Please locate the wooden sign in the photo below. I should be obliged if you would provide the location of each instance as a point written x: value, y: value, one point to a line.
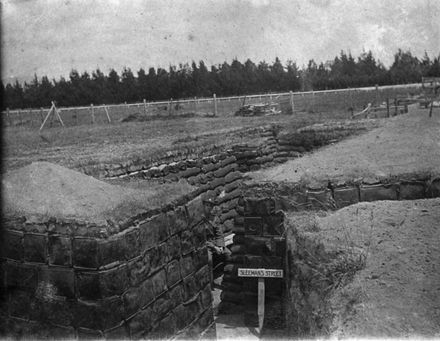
x: 265, y: 273
x: 261, y: 274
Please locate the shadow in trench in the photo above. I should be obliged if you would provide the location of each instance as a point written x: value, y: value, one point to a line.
x: 230, y: 326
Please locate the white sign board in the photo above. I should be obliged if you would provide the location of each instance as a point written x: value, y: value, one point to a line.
x: 265, y: 273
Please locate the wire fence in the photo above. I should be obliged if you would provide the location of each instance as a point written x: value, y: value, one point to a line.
x: 310, y: 101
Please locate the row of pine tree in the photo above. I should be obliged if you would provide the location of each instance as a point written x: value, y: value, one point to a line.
x: 196, y: 80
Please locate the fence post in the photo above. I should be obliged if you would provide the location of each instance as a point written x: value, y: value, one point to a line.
x: 215, y: 105
x: 108, y: 116
x: 292, y: 105
x: 7, y: 116
x: 145, y: 107
x: 313, y: 101
x: 92, y: 109
x: 170, y: 102
x: 377, y: 95
x: 195, y: 104
x: 395, y: 106
x: 388, y: 107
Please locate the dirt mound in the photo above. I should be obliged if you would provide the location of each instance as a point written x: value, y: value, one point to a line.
x: 397, y: 294
x: 46, y: 189
x: 405, y: 144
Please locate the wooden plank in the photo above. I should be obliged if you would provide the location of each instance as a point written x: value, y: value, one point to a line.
x: 261, y: 298
x: 108, y: 115
x: 57, y: 112
x: 47, y: 116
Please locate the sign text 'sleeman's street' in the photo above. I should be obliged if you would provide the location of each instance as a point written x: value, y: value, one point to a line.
x: 273, y: 273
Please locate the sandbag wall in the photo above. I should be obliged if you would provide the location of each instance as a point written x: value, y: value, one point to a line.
x: 259, y: 242
x: 156, y: 167
x: 66, y: 279
x: 305, y: 308
x: 218, y: 176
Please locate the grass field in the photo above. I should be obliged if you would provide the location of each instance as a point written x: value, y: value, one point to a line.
x: 74, y: 147
x: 320, y: 101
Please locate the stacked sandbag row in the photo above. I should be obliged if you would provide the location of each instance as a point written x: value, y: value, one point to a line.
x: 134, y: 166
x: 231, y: 296
x: 265, y: 154
x: 145, y: 277
x: 259, y: 243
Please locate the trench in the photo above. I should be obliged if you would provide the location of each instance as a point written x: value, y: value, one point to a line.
x: 220, y: 179
x: 255, y: 225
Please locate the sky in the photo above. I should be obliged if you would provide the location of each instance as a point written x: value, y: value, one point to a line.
x: 52, y: 37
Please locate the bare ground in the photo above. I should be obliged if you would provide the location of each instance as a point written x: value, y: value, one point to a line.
x: 397, y: 294
x: 45, y: 189
x: 405, y: 144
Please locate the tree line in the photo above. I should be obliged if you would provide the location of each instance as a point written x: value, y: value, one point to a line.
x: 196, y: 80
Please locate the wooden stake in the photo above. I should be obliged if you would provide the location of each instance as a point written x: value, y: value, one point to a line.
x: 388, y: 107
x: 215, y: 105
x: 430, y: 109
x: 292, y: 105
x: 47, y: 116
x: 261, y: 297
x: 195, y: 104
x: 57, y: 112
x: 145, y: 107
x: 377, y: 95
x: 7, y: 116
x: 108, y: 116
x: 93, y: 113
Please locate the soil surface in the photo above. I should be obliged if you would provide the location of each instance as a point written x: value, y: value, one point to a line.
x: 405, y: 144
x: 79, y: 146
x: 397, y: 294
x: 46, y: 189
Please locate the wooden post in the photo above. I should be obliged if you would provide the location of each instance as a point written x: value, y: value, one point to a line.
x: 57, y: 112
x: 261, y: 274
x: 377, y: 95
x: 92, y: 109
x: 261, y: 297
x: 292, y: 105
x: 145, y: 107
x: 170, y: 103
x: 351, y: 100
x: 108, y: 116
x: 388, y: 107
x: 195, y: 104
x: 47, y: 116
x: 395, y: 106
x: 215, y: 104
x: 430, y: 109
x: 41, y: 114
x: 313, y: 101
x: 7, y: 116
